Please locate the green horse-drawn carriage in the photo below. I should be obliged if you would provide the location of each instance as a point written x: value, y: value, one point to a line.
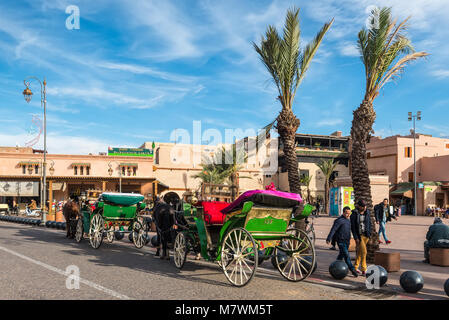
x: 111, y: 213
x: 241, y: 235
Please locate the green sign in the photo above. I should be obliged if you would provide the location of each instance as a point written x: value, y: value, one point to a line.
x: 130, y: 152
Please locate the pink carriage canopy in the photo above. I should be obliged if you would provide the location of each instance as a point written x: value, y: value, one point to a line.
x: 265, y: 197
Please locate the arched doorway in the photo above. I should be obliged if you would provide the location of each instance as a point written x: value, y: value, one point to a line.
x: 171, y: 198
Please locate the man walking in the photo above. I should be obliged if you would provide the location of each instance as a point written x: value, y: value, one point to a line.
x: 437, y: 237
x: 341, y: 229
x: 382, y: 214
x: 361, y: 231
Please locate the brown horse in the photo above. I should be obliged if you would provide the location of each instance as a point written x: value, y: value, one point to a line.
x: 70, y: 210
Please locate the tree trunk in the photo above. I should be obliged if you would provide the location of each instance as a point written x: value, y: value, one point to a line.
x: 362, y: 126
x: 287, y: 125
x: 326, y: 197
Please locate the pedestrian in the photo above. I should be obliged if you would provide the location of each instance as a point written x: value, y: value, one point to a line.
x: 446, y: 214
x: 437, y: 237
x: 428, y: 211
x: 382, y: 214
x: 341, y: 229
x: 361, y: 231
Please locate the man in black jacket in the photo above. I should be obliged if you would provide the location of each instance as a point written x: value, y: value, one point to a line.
x: 341, y: 230
x: 361, y: 231
x: 382, y: 213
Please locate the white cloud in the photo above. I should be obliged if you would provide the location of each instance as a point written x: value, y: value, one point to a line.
x: 329, y: 122
x: 349, y: 49
x: 441, y: 74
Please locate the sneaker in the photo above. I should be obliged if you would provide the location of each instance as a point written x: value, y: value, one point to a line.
x: 354, y: 273
x: 332, y: 248
x: 363, y: 273
x: 360, y: 272
x: 388, y: 242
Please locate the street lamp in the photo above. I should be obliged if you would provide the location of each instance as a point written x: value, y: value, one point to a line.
x: 414, y: 117
x: 110, y: 171
x: 28, y: 94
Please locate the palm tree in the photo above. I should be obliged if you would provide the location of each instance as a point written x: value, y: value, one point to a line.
x: 385, y: 51
x: 287, y: 65
x: 305, y: 180
x: 327, y: 167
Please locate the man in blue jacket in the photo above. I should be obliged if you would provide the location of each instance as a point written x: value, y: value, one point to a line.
x: 361, y: 231
x: 341, y: 229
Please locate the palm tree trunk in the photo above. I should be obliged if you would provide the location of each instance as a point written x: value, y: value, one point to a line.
x: 326, y: 197
x: 287, y: 125
x: 362, y: 126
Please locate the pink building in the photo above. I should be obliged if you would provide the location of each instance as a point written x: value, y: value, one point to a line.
x: 393, y: 157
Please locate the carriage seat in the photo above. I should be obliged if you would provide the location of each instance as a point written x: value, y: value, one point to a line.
x: 212, y: 212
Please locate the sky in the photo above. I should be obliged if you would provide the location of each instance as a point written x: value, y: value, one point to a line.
x: 135, y: 71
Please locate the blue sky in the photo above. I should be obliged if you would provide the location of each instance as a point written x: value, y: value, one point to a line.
x: 136, y: 70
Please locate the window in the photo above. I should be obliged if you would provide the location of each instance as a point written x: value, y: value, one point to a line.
x: 75, y: 170
x: 123, y: 171
x: 36, y: 169
x: 368, y: 155
x: 408, y: 152
x: 410, y: 177
x: 24, y: 169
x: 303, y: 173
x: 134, y: 171
x: 87, y: 171
x: 81, y: 170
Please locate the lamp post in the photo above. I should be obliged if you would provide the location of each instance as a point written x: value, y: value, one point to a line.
x: 28, y: 94
x: 414, y: 117
x: 110, y: 171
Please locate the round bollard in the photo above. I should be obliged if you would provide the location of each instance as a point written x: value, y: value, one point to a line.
x: 154, y: 241
x: 446, y: 287
x: 63, y: 226
x: 47, y: 224
x: 381, y: 273
x: 338, y: 269
x: 118, y: 235
x: 307, y: 266
x: 411, y: 281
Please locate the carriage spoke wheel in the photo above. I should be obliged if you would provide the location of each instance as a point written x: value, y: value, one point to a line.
x: 238, y: 267
x: 180, y: 250
x: 79, y: 230
x: 96, y: 231
x: 295, y: 262
x: 139, y: 235
x: 110, y: 234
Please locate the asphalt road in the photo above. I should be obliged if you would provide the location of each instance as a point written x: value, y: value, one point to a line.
x: 33, y: 263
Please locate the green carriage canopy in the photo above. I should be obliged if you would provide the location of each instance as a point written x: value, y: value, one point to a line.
x: 123, y: 199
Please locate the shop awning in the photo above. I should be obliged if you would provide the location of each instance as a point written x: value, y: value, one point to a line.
x: 404, y: 190
x: 80, y: 164
x: 29, y: 163
x: 124, y: 164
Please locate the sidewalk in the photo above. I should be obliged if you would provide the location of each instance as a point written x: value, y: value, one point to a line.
x: 407, y: 235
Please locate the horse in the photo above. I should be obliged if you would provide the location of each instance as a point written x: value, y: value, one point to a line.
x: 70, y: 210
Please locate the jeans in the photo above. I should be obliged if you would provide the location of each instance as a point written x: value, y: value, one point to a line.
x: 344, y: 254
x: 382, y: 230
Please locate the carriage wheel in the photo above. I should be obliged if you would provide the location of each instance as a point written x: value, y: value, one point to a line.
x: 110, y: 235
x: 96, y: 231
x: 180, y: 250
x: 139, y: 235
x: 238, y: 267
x: 295, y: 266
x: 79, y: 230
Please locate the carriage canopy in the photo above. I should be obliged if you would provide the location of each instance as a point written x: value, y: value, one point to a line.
x: 269, y: 198
x: 123, y: 199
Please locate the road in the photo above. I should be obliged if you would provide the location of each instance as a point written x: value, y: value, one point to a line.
x: 33, y: 261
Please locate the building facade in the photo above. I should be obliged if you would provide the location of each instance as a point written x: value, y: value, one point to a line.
x: 394, y: 157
